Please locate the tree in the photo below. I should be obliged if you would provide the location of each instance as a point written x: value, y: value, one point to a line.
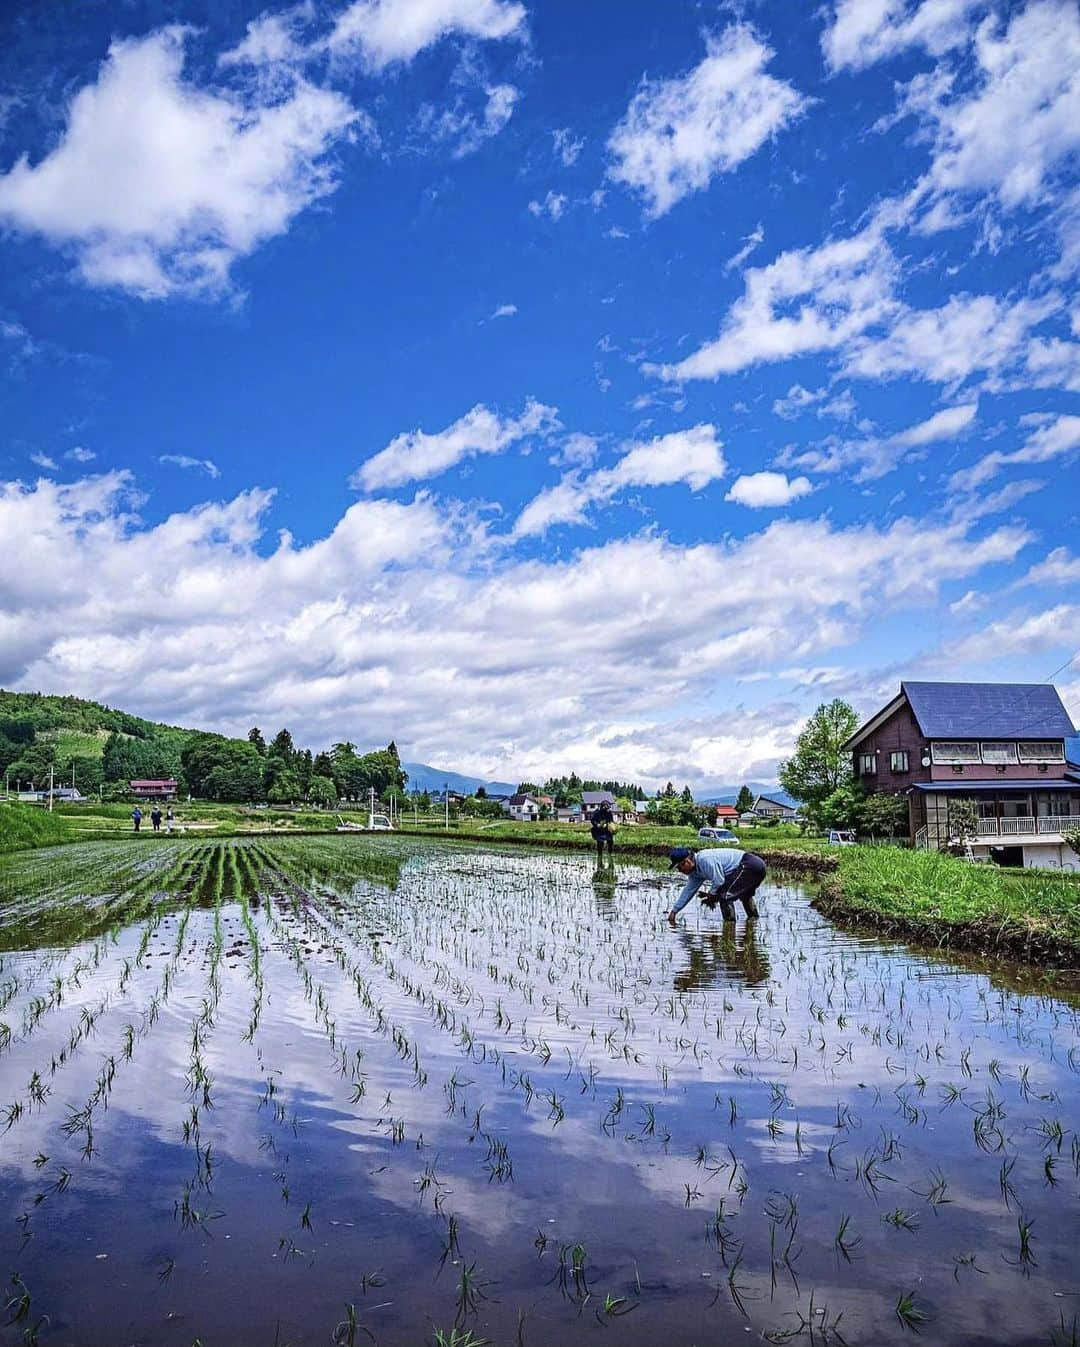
x: 424, y: 802
x: 322, y: 791
x: 840, y: 808
x: 884, y: 815
x: 744, y: 801
x: 285, y: 788
x: 963, y: 819
x: 819, y: 764
x: 481, y: 792
x: 256, y: 739
x: 1072, y: 839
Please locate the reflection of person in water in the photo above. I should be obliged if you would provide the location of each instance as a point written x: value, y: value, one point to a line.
x: 732, y: 955
x: 603, y: 882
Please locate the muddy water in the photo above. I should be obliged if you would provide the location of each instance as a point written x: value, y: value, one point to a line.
x: 493, y: 1095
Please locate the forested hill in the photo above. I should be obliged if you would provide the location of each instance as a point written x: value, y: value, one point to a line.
x: 101, y: 748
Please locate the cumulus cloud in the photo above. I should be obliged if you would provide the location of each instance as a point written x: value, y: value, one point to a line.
x: 873, y: 456
x: 388, y: 32
x: 678, y: 134
x: 1059, y: 567
x: 80, y: 455
x: 352, y: 628
x: 807, y: 300
x: 205, y: 465
x: 767, y: 490
x: 166, y: 201
x: 1020, y: 633
x: 1019, y: 125
x: 1058, y: 437
x: 862, y: 32
x: 415, y: 456
x: 968, y: 334
x: 692, y: 456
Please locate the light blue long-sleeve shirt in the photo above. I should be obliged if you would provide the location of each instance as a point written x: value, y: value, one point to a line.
x: 714, y: 866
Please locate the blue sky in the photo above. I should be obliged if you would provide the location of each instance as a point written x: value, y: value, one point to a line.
x: 543, y: 386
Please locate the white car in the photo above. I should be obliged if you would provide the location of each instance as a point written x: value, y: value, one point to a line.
x: 841, y: 837
x: 718, y: 834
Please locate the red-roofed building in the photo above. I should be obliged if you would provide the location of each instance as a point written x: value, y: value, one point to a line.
x: 154, y: 790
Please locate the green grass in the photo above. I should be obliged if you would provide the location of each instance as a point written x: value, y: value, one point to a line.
x: 932, y: 889
x: 76, y: 743
x: 627, y: 837
x: 25, y: 826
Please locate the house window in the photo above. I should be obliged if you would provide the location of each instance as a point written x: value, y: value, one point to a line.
x: 999, y: 755
x: 944, y: 751
x: 1044, y: 750
x: 867, y: 764
x: 898, y: 760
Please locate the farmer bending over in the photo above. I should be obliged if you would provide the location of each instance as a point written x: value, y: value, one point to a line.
x: 733, y: 875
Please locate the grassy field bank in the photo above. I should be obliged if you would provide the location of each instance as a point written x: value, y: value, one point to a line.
x: 22, y: 828
x: 1025, y: 914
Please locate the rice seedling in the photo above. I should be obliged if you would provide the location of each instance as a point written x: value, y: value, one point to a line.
x: 910, y: 1314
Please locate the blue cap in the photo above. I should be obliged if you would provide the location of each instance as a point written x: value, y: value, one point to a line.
x: 677, y: 855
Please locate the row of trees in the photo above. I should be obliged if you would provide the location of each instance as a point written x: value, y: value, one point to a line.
x: 568, y: 790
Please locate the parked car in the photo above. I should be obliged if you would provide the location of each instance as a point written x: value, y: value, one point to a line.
x: 718, y: 834
x: 841, y: 837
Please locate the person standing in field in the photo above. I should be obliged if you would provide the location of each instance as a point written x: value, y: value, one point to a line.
x: 155, y: 818
x: 734, y: 876
x: 170, y: 819
x: 136, y: 817
x: 603, y: 831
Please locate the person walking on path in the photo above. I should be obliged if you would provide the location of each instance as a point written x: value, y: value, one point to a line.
x: 170, y: 819
x: 603, y: 831
x: 734, y: 876
x: 136, y: 817
x: 155, y: 818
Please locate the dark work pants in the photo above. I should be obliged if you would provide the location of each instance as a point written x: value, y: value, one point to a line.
x: 745, y: 883
x: 604, y: 839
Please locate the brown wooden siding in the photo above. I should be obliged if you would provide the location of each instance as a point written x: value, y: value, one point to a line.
x: 899, y: 732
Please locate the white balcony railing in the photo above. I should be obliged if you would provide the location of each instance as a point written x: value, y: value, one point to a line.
x: 1026, y: 826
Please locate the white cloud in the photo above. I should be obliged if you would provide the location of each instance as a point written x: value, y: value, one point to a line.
x: 807, y: 300
x: 415, y: 456
x: 1059, y: 567
x: 751, y: 241
x: 197, y: 464
x: 352, y: 629
x: 505, y: 311
x: 81, y: 455
x: 798, y: 400
x: 1056, y: 438
x: 271, y: 40
x: 463, y: 126
x: 566, y: 146
x: 971, y: 508
x: 966, y: 335
x: 874, y: 456
x: 44, y: 461
x: 767, y: 490
x: 693, y: 456
x: 678, y: 134
x: 385, y: 32
x: 1020, y: 633
x: 1020, y: 125
x: 553, y: 205
x: 166, y: 201
x: 863, y: 32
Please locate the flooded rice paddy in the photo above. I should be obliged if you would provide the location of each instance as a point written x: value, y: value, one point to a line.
x: 373, y: 1090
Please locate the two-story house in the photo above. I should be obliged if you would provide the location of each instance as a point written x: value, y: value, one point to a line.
x: 521, y: 808
x: 1000, y: 746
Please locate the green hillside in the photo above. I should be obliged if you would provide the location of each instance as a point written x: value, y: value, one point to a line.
x: 39, y: 732
x: 101, y: 749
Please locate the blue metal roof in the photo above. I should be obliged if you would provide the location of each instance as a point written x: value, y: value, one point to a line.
x: 988, y: 710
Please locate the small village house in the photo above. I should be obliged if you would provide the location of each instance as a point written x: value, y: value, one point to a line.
x: 165, y: 789
x: 1001, y: 746
x: 522, y: 808
x: 591, y: 800
x: 765, y: 807
x: 726, y: 815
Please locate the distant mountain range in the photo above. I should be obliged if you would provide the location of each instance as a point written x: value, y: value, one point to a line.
x: 729, y: 794
x: 424, y: 777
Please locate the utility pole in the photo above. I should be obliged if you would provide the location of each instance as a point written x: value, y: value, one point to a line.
x: 446, y: 799
x: 50, y: 789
